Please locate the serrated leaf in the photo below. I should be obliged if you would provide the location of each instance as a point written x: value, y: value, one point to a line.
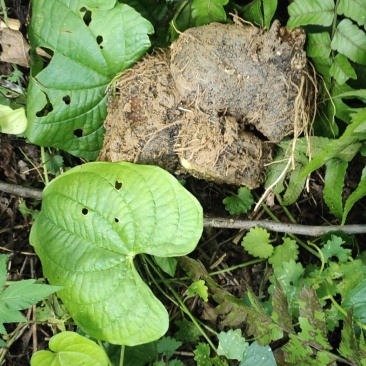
x: 317, y: 12
x: 198, y: 288
x: 296, y: 352
x: 66, y: 103
x: 208, y: 11
x: 333, y: 248
x: 285, y: 252
x: 167, y: 346
x: 318, y: 45
x: 232, y: 344
x: 355, y: 9
x: 350, y: 41
x: 69, y: 348
x: 239, y: 203
x: 187, y: 332
x: 3, y: 271
x: 294, y: 188
x: 342, y: 69
x: 269, y: 10
x: 356, y: 300
x: 202, y: 354
x: 258, y: 355
x: 312, y: 320
x: 355, y: 196
x: 22, y: 294
x: 12, y: 121
x: 256, y: 243
x: 333, y: 185
x: 98, y: 217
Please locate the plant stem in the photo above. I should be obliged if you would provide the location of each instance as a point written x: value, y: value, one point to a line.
x: 45, y: 172
x: 122, y: 355
x: 5, y: 13
x: 181, y: 303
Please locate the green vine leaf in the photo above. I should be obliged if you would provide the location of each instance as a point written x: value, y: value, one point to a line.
x: 239, y: 203
x: 256, y: 243
x: 95, y: 219
x: 66, y: 103
x: 333, y: 185
x: 355, y: 9
x: 256, y: 354
x: 285, y: 252
x: 317, y: 12
x: 341, y: 69
x: 333, y: 248
x: 355, y: 196
x: 69, y: 348
x: 207, y: 11
x: 350, y: 41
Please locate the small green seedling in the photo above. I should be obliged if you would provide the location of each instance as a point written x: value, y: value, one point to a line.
x: 95, y: 219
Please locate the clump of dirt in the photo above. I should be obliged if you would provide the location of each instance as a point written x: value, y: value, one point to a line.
x: 213, y: 105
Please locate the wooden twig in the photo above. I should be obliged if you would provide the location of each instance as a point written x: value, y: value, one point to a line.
x: 224, y: 223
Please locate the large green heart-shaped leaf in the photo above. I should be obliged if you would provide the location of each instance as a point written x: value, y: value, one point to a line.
x: 95, y: 219
x: 66, y: 102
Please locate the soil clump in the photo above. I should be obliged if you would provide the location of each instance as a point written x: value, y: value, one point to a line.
x: 214, y: 104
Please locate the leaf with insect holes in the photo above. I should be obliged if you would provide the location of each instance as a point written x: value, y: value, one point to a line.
x: 95, y: 219
x: 350, y: 41
x: 198, y: 288
x: 333, y: 185
x: 70, y: 348
x: 341, y: 69
x: 239, y: 203
x: 208, y: 11
x: 285, y: 252
x: 232, y: 344
x: 256, y: 243
x: 333, y: 248
x: 304, y: 12
x: 67, y: 100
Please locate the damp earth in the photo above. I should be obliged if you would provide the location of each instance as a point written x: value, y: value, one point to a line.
x: 213, y: 105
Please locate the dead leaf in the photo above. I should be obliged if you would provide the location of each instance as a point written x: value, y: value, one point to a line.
x: 15, y: 48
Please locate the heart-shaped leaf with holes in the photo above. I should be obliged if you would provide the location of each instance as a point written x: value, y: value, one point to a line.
x: 66, y: 103
x: 95, y: 219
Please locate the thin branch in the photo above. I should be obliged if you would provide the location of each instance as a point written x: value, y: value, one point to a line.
x: 21, y: 191
x: 223, y: 223
x: 307, y: 230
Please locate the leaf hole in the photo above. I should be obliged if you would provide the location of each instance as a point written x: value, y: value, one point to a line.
x: 118, y: 185
x: 87, y: 18
x: 48, y: 108
x: 116, y: 220
x: 66, y: 99
x: 78, y: 132
x: 84, y: 211
x: 99, y: 41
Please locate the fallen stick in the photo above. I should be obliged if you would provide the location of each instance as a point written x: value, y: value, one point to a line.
x: 220, y: 222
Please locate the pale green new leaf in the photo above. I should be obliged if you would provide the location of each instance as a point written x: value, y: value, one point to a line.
x: 318, y: 45
x: 66, y: 104
x: 355, y: 196
x: 356, y: 300
x: 232, y: 344
x: 256, y: 243
x: 317, y: 12
x: 269, y: 9
x: 95, y: 219
x: 333, y: 185
x: 207, y: 11
x: 12, y: 121
x: 198, y: 288
x: 342, y: 69
x: 258, y: 355
x: 355, y: 9
x: 69, y: 348
x: 350, y: 41
x: 333, y: 248
x: 239, y: 203
x: 285, y: 252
